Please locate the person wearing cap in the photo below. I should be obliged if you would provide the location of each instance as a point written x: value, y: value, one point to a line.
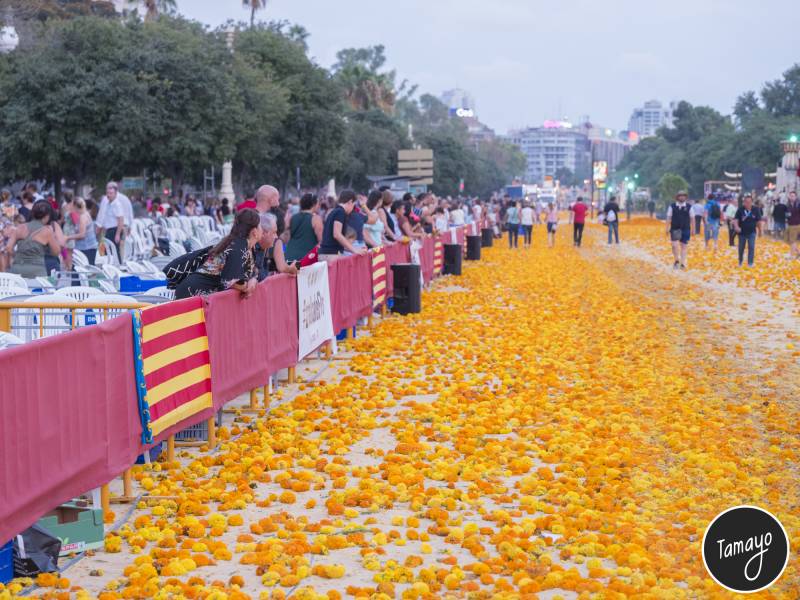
x: 679, y: 230
x: 748, y: 221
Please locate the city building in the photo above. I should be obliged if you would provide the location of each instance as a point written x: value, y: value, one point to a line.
x: 459, y: 99
x: 553, y: 146
x: 461, y: 105
x: 607, y: 144
x: 646, y: 120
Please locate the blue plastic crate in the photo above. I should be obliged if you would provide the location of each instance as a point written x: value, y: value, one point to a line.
x: 343, y: 334
x: 7, y: 562
x: 133, y: 284
x: 198, y: 432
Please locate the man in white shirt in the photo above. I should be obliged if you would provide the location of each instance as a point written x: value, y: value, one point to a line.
x: 698, y: 215
x: 107, y: 216
x: 457, y: 216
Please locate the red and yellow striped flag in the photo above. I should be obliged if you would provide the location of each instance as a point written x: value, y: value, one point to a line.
x: 378, y: 277
x: 438, y: 258
x: 173, y: 367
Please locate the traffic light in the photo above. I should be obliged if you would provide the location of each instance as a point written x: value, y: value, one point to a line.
x: 460, y: 186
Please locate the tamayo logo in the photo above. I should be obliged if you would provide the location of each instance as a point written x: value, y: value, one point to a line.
x: 745, y: 549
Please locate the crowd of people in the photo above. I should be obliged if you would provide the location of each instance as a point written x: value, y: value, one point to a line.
x: 268, y: 235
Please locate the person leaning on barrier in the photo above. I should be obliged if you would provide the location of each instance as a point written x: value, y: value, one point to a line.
x: 334, y: 238
x: 270, y: 258
x: 230, y: 264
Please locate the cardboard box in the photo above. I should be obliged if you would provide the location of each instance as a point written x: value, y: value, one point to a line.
x: 79, y: 527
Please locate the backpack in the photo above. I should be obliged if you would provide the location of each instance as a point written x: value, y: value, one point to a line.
x: 611, y: 216
x: 178, y: 269
x: 714, y: 212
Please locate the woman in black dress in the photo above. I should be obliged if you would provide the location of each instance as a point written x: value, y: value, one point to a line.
x: 230, y: 264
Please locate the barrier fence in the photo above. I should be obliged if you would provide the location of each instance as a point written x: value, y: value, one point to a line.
x: 70, y: 417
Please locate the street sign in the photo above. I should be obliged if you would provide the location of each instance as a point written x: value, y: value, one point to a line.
x: 417, y: 165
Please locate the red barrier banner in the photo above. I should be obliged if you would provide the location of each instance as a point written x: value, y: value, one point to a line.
x: 438, y: 257
x: 282, y: 322
x: 237, y: 342
x: 395, y: 253
x: 69, y: 419
x: 426, y: 260
x: 350, y: 278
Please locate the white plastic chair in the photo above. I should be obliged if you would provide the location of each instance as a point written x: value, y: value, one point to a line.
x: 7, y: 340
x: 79, y: 259
x: 107, y: 286
x: 176, y: 250
x: 12, y: 280
x: 78, y: 293
x: 8, y: 292
x: 162, y: 291
x: 54, y: 321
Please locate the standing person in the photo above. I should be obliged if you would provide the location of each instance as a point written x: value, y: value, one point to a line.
x: 552, y: 224
x: 793, y: 224
x: 373, y: 227
x: 748, y: 222
x: 34, y: 240
x: 111, y: 218
x: 651, y: 208
x: 578, y: 210
x: 334, y: 240
x: 124, y: 209
x: 513, y: 216
x: 611, y: 218
x: 779, y: 218
x: 679, y: 230
x: 712, y: 213
x: 698, y: 212
x: 457, y: 217
x: 526, y: 220
x: 268, y: 199
x: 730, y: 215
x: 305, y: 229
x: 85, y: 238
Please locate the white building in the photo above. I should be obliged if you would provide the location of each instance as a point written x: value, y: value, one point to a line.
x: 649, y: 118
x: 554, y: 145
x: 458, y: 98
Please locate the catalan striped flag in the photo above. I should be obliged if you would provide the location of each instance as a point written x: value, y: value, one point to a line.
x: 378, y: 277
x: 438, y: 258
x: 173, y: 370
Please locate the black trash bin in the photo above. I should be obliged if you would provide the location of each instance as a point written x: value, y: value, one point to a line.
x: 453, y: 255
x: 487, y: 237
x: 473, y: 247
x: 407, y: 289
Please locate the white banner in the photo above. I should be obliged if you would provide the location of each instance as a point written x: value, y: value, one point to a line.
x: 314, y: 305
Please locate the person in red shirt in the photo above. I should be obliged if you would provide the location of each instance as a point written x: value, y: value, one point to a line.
x: 579, y: 218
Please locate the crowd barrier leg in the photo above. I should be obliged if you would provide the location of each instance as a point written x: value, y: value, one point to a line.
x: 291, y: 375
x: 383, y: 310
x: 212, y: 432
x: 369, y: 321
x: 328, y: 351
x: 5, y: 320
x: 127, y: 489
x: 171, y: 448
x: 105, y: 500
x: 266, y: 395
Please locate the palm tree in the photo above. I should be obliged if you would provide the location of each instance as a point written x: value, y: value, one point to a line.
x: 153, y: 7
x: 254, y: 6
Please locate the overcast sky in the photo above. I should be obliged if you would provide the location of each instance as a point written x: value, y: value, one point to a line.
x: 529, y: 60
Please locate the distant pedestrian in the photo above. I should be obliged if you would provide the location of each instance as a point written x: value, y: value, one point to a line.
x: 679, y: 217
x: 698, y: 212
x: 793, y: 224
x: 513, y: 216
x: 611, y: 218
x: 651, y: 208
x: 779, y: 219
x: 712, y: 213
x: 748, y: 221
x: 526, y: 219
x: 552, y: 224
x: 730, y: 215
x: 578, y: 211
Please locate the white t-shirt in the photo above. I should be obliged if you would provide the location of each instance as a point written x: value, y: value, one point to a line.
x: 477, y: 210
x: 698, y: 209
x: 124, y: 202
x: 441, y: 223
x: 457, y: 216
x: 527, y: 216
x: 113, y: 211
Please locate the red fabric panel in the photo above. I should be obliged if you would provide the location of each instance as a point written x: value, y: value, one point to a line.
x: 282, y: 326
x: 426, y: 259
x: 350, y: 280
x: 237, y: 342
x: 69, y: 419
x: 173, y: 339
x: 395, y: 253
x: 171, y: 370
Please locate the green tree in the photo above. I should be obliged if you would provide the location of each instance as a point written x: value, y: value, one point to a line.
x: 781, y: 97
x: 669, y: 185
x: 372, y: 141
x: 365, y: 86
x: 154, y: 7
x: 312, y: 135
x: 254, y: 6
